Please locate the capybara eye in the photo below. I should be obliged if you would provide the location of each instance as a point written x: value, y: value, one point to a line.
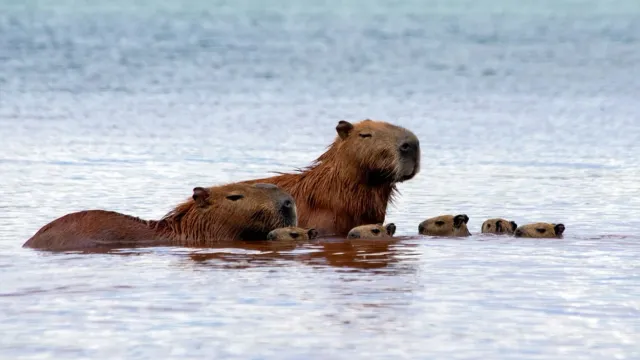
x: 294, y: 235
x: 375, y: 231
x: 488, y: 226
x: 541, y: 231
x: 235, y: 197
x: 439, y: 222
x: 364, y: 135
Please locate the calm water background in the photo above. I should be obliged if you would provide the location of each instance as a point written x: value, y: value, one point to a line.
x: 524, y: 109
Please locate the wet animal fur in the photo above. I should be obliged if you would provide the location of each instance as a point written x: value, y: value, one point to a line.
x: 352, y: 183
x: 229, y: 212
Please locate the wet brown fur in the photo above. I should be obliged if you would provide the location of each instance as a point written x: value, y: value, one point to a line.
x: 445, y: 225
x: 229, y: 212
x: 292, y: 233
x: 540, y: 230
x: 352, y: 183
x: 499, y: 226
x: 372, y: 231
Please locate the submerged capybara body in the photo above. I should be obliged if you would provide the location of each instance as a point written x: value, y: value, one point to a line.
x: 229, y: 212
x: 540, y: 230
x: 499, y: 226
x: 445, y: 225
x: 372, y: 231
x: 292, y: 233
x: 352, y: 183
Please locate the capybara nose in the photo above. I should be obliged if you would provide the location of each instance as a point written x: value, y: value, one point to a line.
x: 518, y: 233
x: 353, y: 235
x: 271, y: 236
x: 409, y: 146
x: 288, y: 211
x: 420, y: 228
x: 287, y: 204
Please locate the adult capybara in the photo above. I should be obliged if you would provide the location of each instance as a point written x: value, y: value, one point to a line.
x: 230, y: 212
x: 354, y: 180
x: 292, y: 233
x: 372, y: 231
x: 540, y: 230
x: 498, y: 226
x: 445, y: 225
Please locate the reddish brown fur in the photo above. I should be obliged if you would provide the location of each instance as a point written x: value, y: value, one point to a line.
x: 352, y: 183
x: 229, y: 212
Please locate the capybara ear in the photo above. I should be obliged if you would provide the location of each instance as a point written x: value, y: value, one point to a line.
x: 559, y: 229
x: 514, y: 226
x: 391, y: 229
x: 200, y: 196
x: 313, y: 233
x: 344, y: 128
x: 499, y: 226
x: 459, y: 219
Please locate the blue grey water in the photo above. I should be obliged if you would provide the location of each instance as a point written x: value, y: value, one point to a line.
x: 525, y: 109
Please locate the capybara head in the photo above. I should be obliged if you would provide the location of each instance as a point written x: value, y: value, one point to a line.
x: 372, y: 231
x: 376, y: 151
x: 499, y: 226
x: 235, y: 211
x: 540, y: 230
x: 292, y: 233
x: 445, y: 225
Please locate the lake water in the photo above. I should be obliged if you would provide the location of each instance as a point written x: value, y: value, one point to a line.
x: 526, y: 110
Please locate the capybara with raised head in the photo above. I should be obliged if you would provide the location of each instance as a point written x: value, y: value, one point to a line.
x: 499, y: 226
x: 540, y: 230
x: 229, y: 212
x: 445, y: 225
x: 352, y: 182
x: 372, y: 231
x: 292, y: 233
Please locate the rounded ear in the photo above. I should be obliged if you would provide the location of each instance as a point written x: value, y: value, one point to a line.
x: 344, y: 128
x: 459, y: 219
x: 313, y: 233
x: 499, y: 225
x: 200, y: 196
x: 391, y: 229
x: 514, y: 226
x: 559, y: 229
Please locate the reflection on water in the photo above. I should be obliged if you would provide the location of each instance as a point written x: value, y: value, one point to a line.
x: 340, y: 253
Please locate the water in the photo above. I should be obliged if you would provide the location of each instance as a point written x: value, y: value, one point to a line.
x: 525, y: 110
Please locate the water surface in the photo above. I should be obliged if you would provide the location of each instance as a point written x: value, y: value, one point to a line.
x: 526, y: 111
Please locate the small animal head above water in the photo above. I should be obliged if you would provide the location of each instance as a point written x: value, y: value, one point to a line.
x: 379, y: 152
x: 540, y: 230
x: 445, y: 225
x: 499, y: 226
x: 235, y: 211
x: 372, y: 231
x: 292, y: 233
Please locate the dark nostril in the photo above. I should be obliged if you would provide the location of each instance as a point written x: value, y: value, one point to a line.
x: 518, y: 233
x: 271, y: 236
x: 420, y: 228
x: 405, y: 147
x: 287, y: 204
x: 354, y: 234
